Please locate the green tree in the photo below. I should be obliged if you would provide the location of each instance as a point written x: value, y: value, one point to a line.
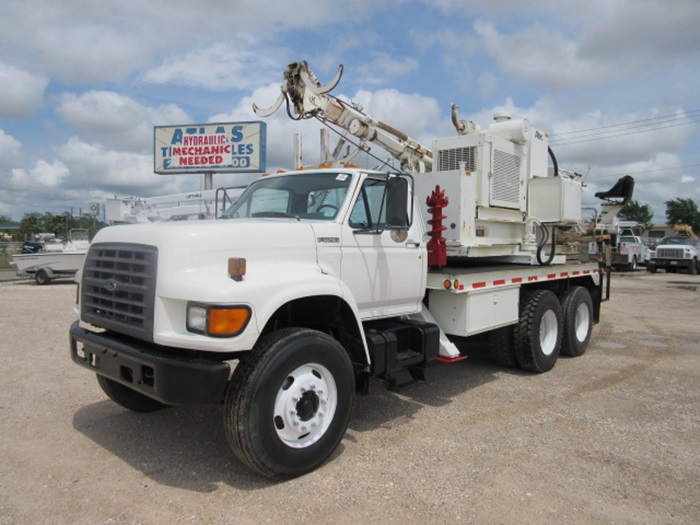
x: 638, y: 212
x: 30, y: 225
x: 56, y: 224
x: 683, y: 211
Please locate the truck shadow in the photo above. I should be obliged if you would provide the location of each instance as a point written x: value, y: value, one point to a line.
x: 186, y: 447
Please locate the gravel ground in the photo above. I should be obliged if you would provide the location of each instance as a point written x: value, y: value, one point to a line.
x: 609, y: 437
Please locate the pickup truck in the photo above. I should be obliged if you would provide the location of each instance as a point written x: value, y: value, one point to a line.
x: 674, y: 253
x: 630, y: 252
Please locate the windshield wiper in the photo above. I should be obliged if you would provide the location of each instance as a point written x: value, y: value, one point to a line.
x: 275, y: 214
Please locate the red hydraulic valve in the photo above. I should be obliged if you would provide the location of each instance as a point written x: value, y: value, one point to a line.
x: 437, y: 248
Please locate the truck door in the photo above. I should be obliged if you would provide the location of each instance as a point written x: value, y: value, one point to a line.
x: 383, y: 254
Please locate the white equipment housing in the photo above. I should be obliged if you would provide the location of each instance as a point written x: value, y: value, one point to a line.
x: 503, y: 182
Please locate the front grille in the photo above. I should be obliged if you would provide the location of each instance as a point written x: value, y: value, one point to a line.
x: 118, y: 288
x: 669, y: 253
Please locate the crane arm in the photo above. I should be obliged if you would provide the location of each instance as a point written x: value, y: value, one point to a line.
x: 302, y: 91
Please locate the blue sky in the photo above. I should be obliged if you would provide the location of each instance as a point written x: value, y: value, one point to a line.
x: 83, y: 83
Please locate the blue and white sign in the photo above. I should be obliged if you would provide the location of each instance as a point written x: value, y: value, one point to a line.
x: 225, y: 147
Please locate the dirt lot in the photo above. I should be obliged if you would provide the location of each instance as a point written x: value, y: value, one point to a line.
x: 610, y: 437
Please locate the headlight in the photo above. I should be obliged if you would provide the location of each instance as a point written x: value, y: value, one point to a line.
x: 217, y: 321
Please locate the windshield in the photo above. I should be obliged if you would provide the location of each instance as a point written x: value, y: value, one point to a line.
x: 676, y: 240
x: 317, y: 196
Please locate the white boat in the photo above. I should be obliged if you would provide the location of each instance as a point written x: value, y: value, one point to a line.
x: 55, y: 260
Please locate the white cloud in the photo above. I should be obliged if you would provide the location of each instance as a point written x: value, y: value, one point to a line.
x: 94, y: 166
x: 111, y: 118
x: 545, y: 57
x: 84, y: 40
x: 46, y: 174
x: 10, y: 149
x: 666, y: 30
x: 221, y: 66
x: 21, y: 92
x: 381, y: 67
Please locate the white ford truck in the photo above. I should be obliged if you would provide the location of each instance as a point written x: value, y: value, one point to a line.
x: 316, y: 283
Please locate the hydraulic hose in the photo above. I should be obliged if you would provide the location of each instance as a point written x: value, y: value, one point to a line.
x: 555, y: 164
x: 545, y: 237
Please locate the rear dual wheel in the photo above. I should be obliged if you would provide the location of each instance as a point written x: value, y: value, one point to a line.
x: 537, y: 335
x: 577, y: 313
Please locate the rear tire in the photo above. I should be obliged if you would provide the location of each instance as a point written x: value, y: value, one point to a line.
x: 289, y: 402
x: 127, y: 397
x: 577, y: 321
x: 502, y: 347
x: 538, y: 333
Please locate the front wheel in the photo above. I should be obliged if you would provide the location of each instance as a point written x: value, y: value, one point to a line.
x: 289, y: 402
x: 538, y: 332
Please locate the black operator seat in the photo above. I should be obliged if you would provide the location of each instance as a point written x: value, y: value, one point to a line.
x: 622, y: 190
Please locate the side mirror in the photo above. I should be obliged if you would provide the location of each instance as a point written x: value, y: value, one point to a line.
x: 399, y: 208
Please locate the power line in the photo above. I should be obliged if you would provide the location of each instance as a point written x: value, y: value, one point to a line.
x: 625, y: 129
x: 665, y: 169
x: 635, y: 123
x: 674, y: 168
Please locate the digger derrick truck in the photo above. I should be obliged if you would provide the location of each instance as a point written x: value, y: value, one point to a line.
x: 316, y: 283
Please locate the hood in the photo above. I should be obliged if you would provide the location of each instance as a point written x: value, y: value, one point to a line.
x: 189, y: 245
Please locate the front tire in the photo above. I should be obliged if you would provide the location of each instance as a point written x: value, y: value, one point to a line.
x: 127, y: 397
x: 538, y: 332
x: 289, y: 402
x: 577, y: 321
